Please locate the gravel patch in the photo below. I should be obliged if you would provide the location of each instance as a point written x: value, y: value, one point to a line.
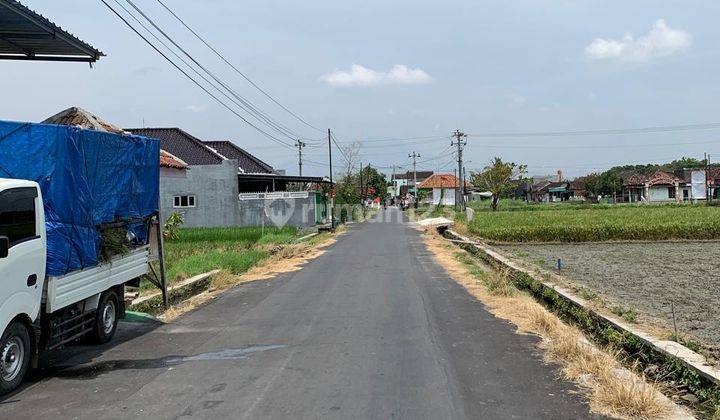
x: 645, y: 277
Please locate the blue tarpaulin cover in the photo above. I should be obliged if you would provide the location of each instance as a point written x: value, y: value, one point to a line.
x: 87, y: 178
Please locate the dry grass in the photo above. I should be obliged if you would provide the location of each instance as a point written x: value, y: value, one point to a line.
x: 614, y: 391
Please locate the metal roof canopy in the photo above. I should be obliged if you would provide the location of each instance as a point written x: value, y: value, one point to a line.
x: 27, y: 35
x: 285, y: 178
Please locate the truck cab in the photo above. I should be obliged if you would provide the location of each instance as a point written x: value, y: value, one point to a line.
x: 22, y: 272
x: 40, y: 312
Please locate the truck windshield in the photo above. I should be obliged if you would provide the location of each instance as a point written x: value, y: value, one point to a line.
x: 17, y: 214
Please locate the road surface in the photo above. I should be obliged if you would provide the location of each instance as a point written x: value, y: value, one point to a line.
x: 371, y: 329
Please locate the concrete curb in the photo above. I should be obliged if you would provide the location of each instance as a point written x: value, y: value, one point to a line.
x: 669, y: 349
x: 176, y: 290
x: 306, y: 237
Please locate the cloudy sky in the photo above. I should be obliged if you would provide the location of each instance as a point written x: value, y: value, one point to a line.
x: 413, y: 70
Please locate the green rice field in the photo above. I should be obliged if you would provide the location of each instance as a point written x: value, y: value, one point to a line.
x: 587, y: 223
x: 199, y: 250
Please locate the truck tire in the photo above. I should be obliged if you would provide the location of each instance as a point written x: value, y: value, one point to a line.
x: 15, y: 351
x: 106, y: 317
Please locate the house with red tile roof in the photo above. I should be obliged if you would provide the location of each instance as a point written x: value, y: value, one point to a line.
x: 654, y: 187
x: 441, y: 189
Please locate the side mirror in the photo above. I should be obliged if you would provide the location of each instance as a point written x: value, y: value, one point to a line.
x: 4, y: 246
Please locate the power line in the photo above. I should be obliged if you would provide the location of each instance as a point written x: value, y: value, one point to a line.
x: 389, y: 139
x: 129, y: 25
x: 396, y: 145
x: 459, y: 190
x: 342, y: 152
x: 621, y: 146
x: 255, y: 85
x: 610, y: 164
x: 446, y: 152
x: 249, y: 107
x: 315, y: 163
x: 657, y: 129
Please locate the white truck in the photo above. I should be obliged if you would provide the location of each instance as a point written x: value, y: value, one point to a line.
x: 40, y: 313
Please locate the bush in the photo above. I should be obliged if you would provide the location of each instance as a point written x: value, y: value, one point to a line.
x: 172, y: 226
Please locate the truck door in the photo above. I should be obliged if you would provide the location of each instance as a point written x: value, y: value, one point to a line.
x: 22, y: 271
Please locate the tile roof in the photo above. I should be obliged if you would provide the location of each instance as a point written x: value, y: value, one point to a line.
x: 182, y: 145
x: 577, y: 184
x: 248, y: 163
x: 540, y: 185
x: 654, y: 178
x: 714, y: 173
x: 169, y: 161
x: 81, y: 118
x: 440, y: 181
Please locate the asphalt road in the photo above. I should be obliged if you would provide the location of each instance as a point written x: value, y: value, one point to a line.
x: 371, y: 329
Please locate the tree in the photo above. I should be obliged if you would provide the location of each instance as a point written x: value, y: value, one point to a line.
x: 347, y: 183
x: 590, y: 183
x: 374, y: 182
x: 500, y: 178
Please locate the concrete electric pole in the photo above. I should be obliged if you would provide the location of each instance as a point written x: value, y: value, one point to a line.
x: 459, y: 142
x: 332, y: 187
x: 414, y: 157
x: 300, y: 144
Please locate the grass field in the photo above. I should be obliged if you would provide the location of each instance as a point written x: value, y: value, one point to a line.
x: 586, y: 223
x: 521, y: 205
x: 198, y: 250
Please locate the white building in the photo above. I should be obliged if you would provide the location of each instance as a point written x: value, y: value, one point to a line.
x: 442, y: 189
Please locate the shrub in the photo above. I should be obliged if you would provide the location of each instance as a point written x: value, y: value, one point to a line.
x: 172, y: 226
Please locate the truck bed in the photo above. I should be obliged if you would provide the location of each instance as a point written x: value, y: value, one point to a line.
x: 77, y: 286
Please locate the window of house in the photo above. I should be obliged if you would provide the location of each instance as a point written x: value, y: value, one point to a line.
x: 17, y: 214
x: 183, y: 201
x: 671, y: 192
x: 686, y: 194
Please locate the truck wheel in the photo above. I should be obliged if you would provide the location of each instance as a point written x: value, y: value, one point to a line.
x: 106, y: 318
x: 15, y: 352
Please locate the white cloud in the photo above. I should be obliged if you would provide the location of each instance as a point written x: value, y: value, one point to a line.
x: 660, y: 41
x: 195, y: 108
x: 358, y: 75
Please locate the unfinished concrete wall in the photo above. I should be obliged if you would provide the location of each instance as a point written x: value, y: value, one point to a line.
x: 255, y: 209
x: 215, y: 188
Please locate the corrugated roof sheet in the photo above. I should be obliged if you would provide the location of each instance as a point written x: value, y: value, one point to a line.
x: 27, y: 35
x: 182, y: 145
x: 248, y: 163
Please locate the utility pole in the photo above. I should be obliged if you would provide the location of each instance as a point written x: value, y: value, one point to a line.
x: 455, y: 175
x: 464, y: 174
x: 459, y: 142
x: 300, y: 144
x: 707, y: 175
x: 393, y: 182
x: 414, y: 156
x: 332, y: 187
x: 362, y: 197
